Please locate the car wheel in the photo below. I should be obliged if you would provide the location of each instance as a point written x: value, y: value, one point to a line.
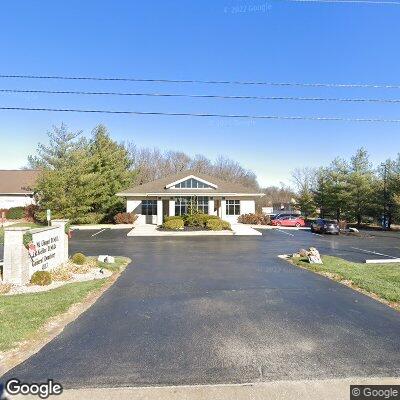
x: 298, y: 225
x: 278, y: 224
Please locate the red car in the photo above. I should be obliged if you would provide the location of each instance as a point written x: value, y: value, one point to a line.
x: 296, y: 221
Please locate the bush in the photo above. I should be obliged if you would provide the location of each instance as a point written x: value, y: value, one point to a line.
x: 217, y: 225
x: 27, y: 239
x: 15, y: 213
x: 30, y: 211
x: 78, y: 258
x: 125, y: 218
x: 173, y: 217
x: 198, y: 220
x: 254, y: 219
x: 41, y: 278
x: 173, y: 224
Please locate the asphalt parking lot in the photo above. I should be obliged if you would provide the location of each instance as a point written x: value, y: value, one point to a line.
x: 208, y: 310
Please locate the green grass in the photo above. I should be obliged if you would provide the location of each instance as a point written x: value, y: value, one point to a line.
x: 120, y: 263
x: 17, y: 224
x: 23, y: 314
x: 381, y: 279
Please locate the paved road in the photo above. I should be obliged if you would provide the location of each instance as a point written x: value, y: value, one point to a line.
x: 222, y: 310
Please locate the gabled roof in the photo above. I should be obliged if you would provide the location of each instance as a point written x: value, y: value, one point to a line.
x: 17, y: 181
x: 160, y: 186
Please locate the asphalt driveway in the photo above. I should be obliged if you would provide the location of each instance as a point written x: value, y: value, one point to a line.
x: 221, y: 310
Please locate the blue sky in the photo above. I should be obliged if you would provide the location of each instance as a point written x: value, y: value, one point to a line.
x: 250, y: 40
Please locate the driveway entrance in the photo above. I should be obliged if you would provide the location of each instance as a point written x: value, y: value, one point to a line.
x: 208, y: 310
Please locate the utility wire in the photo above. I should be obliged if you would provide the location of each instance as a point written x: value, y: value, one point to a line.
x: 176, y: 114
x: 206, y: 96
x: 298, y: 84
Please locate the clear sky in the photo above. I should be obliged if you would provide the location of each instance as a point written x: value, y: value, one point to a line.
x: 247, y: 40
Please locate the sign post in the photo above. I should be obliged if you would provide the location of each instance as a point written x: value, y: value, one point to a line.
x: 48, y: 215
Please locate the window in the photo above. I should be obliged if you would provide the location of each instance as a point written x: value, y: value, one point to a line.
x: 232, y: 207
x: 149, y: 207
x: 181, y: 205
x: 202, y: 204
x: 184, y: 204
x: 191, y: 184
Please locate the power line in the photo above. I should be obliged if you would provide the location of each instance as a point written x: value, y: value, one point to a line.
x: 207, y: 115
x: 298, y: 84
x: 207, y: 96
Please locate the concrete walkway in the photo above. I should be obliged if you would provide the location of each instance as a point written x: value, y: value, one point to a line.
x: 330, y: 389
x: 244, y: 230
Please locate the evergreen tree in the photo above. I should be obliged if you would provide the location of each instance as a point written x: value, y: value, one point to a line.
x: 321, y: 191
x: 337, y: 189
x: 110, y: 166
x: 361, y: 183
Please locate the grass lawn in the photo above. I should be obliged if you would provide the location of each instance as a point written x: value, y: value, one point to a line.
x: 27, y: 224
x: 382, y: 280
x: 22, y: 315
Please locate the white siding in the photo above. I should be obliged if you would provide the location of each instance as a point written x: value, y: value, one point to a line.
x: 247, y: 206
x: 9, y: 201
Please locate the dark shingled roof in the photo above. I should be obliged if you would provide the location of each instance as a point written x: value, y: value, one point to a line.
x: 17, y: 181
x: 158, y: 186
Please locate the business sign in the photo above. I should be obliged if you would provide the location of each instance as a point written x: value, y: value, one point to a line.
x: 46, y: 250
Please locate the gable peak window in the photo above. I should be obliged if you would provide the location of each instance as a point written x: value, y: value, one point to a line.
x: 191, y: 183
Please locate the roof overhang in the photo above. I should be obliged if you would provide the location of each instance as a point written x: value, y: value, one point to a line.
x: 194, y: 177
x: 183, y: 194
x: 17, y: 194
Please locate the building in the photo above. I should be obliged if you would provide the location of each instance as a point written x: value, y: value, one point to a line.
x: 176, y: 194
x: 16, y: 188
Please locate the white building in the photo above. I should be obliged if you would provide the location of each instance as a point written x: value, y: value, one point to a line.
x: 174, y: 194
x: 16, y: 188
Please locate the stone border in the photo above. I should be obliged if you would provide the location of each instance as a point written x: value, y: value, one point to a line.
x: 53, y: 327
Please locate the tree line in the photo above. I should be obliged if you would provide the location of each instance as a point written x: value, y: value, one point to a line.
x: 352, y: 190
x: 79, y: 177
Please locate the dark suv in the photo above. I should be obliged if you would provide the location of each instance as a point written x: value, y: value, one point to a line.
x: 325, y: 226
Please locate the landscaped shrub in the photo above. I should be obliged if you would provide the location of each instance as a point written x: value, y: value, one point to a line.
x: 125, y: 218
x: 30, y: 211
x: 15, y: 213
x: 173, y: 224
x: 254, y: 219
x: 27, y: 239
x: 78, y: 258
x: 173, y: 217
x: 198, y: 220
x: 41, y: 278
x: 217, y: 225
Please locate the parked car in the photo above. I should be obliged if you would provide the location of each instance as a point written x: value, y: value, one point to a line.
x: 289, y: 220
x: 285, y: 214
x: 325, y: 226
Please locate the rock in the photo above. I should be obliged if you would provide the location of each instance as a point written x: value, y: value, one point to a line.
x: 303, y: 253
x: 106, y: 259
x: 313, y: 256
